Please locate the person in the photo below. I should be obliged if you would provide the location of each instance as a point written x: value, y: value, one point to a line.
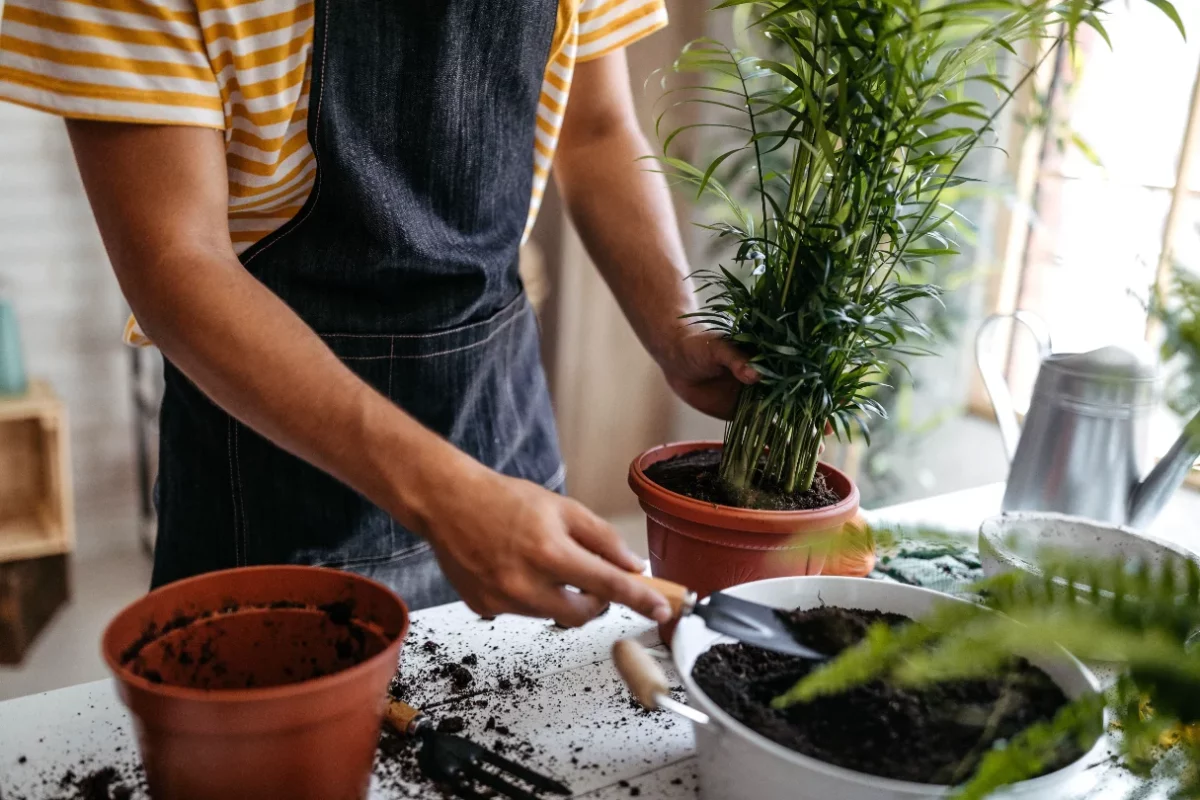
x: 315, y: 210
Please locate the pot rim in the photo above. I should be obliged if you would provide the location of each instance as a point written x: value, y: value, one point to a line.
x: 651, y: 493
x: 992, y: 533
x: 725, y: 721
x: 331, y: 682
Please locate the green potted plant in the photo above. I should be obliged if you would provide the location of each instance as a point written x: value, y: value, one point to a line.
x: 857, y: 126
x: 1140, y: 619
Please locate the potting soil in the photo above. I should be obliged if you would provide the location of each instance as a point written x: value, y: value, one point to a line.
x: 235, y: 648
x: 697, y: 475
x: 934, y: 735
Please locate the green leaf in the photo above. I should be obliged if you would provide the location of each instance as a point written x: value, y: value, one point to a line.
x: 1095, y: 25
x: 1085, y: 149
x: 858, y: 120
x: 1167, y: 8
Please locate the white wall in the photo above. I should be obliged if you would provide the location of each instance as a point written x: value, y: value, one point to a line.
x: 54, y: 270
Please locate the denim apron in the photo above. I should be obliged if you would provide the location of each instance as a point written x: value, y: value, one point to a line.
x: 404, y: 261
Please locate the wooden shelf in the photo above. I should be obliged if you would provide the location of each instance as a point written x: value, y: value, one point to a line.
x: 31, y: 536
x: 36, y: 508
x: 39, y: 400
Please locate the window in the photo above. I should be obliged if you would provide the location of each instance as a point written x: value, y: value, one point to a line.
x: 1093, y: 217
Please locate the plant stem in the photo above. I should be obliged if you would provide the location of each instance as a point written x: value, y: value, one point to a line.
x: 770, y: 445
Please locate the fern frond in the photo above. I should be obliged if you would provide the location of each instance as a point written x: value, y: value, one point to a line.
x: 1133, y: 613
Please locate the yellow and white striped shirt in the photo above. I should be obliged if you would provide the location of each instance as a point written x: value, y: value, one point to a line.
x: 243, y: 67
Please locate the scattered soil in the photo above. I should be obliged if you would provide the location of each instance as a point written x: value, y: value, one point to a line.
x: 494, y: 707
x: 492, y: 710
x: 935, y: 734
x: 103, y: 784
x: 85, y: 782
x: 697, y: 475
x: 451, y: 725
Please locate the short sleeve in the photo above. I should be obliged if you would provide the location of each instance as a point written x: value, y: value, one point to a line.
x: 608, y: 25
x: 116, y: 60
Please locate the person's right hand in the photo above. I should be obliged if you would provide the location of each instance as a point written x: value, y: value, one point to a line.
x: 511, y: 546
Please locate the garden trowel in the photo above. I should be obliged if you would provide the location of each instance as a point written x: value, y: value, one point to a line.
x: 750, y: 623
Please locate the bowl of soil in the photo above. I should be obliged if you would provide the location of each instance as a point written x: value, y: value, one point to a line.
x: 258, y: 682
x: 874, y: 742
x: 700, y: 537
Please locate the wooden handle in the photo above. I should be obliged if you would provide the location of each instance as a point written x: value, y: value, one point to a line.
x: 680, y: 597
x: 401, y: 716
x: 640, y: 672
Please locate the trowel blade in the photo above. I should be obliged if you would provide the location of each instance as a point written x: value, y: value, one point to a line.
x: 752, y: 623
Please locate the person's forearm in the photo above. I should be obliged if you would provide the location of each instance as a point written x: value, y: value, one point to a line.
x: 255, y: 358
x: 508, y: 545
x: 623, y: 213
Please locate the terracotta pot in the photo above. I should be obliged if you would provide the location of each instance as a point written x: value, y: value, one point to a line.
x: 259, y: 682
x: 709, y: 547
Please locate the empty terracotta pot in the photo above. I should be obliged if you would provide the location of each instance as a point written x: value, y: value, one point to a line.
x: 709, y: 547
x: 261, y: 682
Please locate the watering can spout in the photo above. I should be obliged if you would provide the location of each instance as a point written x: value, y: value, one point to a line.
x: 1149, y: 496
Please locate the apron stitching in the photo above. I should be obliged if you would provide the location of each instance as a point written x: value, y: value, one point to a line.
x: 316, y: 153
x: 417, y: 549
x: 513, y: 351
x: 391, y: 353
x: 233, y: 504
x: 485, y: 340
x: 237, y: 455
x: 496, y: 318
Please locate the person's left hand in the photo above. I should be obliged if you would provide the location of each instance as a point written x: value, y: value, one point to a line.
x: 706, y: 371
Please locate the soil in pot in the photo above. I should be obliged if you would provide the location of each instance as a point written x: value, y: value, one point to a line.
x: 244, y: 647
x: 933, y: 735
x: 697, y: 475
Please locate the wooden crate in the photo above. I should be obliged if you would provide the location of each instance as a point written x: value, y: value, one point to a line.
x: 31, y: 591
x: 36, y: 508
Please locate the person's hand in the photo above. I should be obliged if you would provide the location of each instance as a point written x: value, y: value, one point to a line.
x: 511, y: 546
x: 706, y: 370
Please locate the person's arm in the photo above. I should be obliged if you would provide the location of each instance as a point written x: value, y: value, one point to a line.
x: 160, y: 198
x: 624, y: 215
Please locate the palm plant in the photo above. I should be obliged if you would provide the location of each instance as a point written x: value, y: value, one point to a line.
x: 856, y: 135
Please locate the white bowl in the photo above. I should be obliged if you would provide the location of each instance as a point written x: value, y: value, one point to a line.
x: 1008, y: 541
x: 735, y: 763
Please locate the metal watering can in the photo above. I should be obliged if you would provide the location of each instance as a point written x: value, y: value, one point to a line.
x: 1083, y: 449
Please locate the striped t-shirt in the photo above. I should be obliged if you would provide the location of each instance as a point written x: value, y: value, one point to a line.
x: 243, y: 67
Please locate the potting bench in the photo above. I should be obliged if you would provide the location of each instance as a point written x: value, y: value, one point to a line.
x: 550, y: 697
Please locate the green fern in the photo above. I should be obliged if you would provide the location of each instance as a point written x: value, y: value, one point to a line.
x: 1132, y: 613
x: 1029, y: 753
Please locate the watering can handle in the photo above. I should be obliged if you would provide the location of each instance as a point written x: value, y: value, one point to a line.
x: 993, y: 377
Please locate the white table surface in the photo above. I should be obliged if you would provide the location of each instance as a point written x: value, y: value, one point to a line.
x: 572, y: 709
